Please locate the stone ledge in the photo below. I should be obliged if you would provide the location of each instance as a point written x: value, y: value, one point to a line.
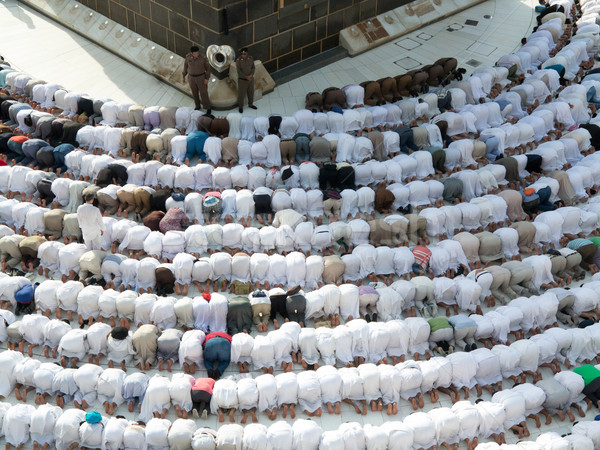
x: 383, y: 28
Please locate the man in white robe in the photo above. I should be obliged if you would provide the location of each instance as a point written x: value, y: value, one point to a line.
x: 91, y: 223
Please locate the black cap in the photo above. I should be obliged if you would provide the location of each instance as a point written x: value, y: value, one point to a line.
x: 287, y: 173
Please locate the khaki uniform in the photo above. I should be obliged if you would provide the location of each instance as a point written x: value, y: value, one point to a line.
x: 198, y: 71
x: 245, y: 68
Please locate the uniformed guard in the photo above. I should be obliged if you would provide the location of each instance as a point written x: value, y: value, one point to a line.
x: 197, y: 69
x: 245, y: 69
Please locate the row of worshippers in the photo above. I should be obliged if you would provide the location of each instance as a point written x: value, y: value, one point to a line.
x: 35, y: 184
x: 103, y: 172
x: 576, y: 225
x: 145, y: 339
x: 508, y: 408
x: 387, y: 303
x: 153, y: 117
x: 185, y: 119
x: 387, y: 89
x: 420, y: 164
x: 354, y: 342
x: 47, y: 95
x: 295, y: 145
x: 240, y: 313
x: 465, y: 421
x: 243, y: 272
x: 463, y: 251
x: 363, y: 252
x: 480, y: 211
x: 378, y: 142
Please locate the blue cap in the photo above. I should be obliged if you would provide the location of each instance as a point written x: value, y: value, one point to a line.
x: 337, y: 109
x: 178, y: 197
x: 25, y: 294
x: 93, y: 417
x: 597, y: 417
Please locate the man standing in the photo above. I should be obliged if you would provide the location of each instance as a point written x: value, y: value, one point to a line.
x: 197, y: 69
x: 91, y: 223
x: 245, y: 69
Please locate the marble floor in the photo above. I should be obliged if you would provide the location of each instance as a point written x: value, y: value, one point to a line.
x: 480, y: 35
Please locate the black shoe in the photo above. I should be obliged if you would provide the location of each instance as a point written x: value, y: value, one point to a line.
x: 208, y: 111
x: 473, y: 346
x: 374, y: 317
x: 209, y: 372
x: 196, y: 109
x: 252, y: 107
x: 467, y: 348
x: 241, y: 110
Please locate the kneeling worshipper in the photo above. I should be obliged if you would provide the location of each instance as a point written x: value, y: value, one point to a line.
x: 591, y: 378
